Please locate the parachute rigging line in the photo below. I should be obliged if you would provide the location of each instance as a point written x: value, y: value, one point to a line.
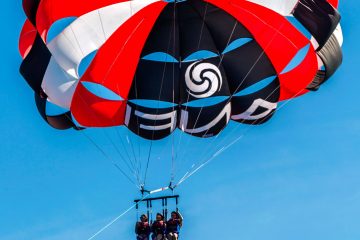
x: 103, y: 151
x: 148, y: 193
x: 134, y: 170
x: 137, y: 163
x: 188, y: 96
x: 118, y: 152
x: 225, y: 147
x: 218, y: 152
x: 242, y: 81
x: 137, y: 168
x: 134, y: 167
x: 159, y: 97
x: 115, y: 220
x: 134, y: 162
x: 108, y: 158
x: 137, y: 159
x: 255, y: 122
x: 234, y: 130
x: 220, y: 62
x: 102, y: 24
x: 172, y: 172
x: 106, y: 135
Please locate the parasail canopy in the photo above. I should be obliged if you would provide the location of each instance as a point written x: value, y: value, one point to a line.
x: 157, y: 66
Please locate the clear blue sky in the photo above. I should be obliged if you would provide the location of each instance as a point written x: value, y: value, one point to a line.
x: 295, y: 178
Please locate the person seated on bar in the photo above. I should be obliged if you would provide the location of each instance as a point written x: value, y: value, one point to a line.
x: 142, y: 228
x: 158, y: 228
x: 173, y: 226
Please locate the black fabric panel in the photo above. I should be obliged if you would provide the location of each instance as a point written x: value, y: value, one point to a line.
x: 195, y: 35
x: 200, y: 117
x: 319, y: 17
x: 159, y: 80
x: 331, y: 55
x: 156, y: 81
x: 241, y: 104
x: 30, y: 9
x: 243, y: 66
x: 246, y: 66
x: 34, y: 66
x: 61, y: 122
x: 223, y: 27
x: 164, y: 37
x: 202, y: 65
x: 135, y: 122
x: 318, y: 80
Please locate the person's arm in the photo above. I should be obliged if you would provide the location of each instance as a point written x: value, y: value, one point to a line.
x: 181, y: 219
x: 136, y: 227
x: 152, y: 228
x: 148, y: 229
x: 164, y: 227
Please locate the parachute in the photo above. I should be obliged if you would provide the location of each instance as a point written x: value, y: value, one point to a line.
x: 161, y: 66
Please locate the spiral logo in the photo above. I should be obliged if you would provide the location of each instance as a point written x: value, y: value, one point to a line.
x: 203, y: 79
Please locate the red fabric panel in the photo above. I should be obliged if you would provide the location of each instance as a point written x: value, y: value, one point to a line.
x: 27, y: 38
x: 114, y: 67
x: 116, y: 61
x: 279, y: 38
x: 335, y: 3
x: 294, y: 83
x: 92, y: 111
x: 50, y: 11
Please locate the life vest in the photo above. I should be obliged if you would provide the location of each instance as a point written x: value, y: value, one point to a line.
x: 173, y: 226
x: 158, y: 227
x: 143, y: 228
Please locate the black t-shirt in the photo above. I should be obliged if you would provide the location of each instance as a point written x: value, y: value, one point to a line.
x: 142, y: 228
x: 158, y: 227
x: 173, y: 226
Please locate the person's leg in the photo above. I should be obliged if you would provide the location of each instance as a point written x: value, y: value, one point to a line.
x: 143, y: 237
x: 169, y: 236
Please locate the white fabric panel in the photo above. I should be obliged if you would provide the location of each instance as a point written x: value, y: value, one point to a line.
x: 85, y: 35
x: 314, y: 42
x: 74, y: 44
x: 248, y: 114
x: 284, y: 7
x: 90, y: 31
x: 168, y: 116
x: 58, y: 85
x: 339, y: 35
x: 185, y: 118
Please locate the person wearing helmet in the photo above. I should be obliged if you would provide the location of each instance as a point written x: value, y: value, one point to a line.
x: 142, y: 228
x: 158, y: 228
x: 173, y: 226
